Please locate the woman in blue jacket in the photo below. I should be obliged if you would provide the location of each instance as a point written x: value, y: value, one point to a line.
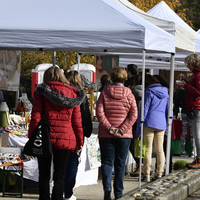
x: 155, y: 123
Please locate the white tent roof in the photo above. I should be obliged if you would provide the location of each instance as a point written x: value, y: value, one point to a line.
x: 95, y: 25
x: 168, y: 26
x: 152, y: 64
x: 185, y: 35
x: 197, y: 42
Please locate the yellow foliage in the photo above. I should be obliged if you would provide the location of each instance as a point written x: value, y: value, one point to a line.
x: 146, y: 5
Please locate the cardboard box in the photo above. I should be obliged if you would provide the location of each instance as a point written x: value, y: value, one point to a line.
x: 4, y: 139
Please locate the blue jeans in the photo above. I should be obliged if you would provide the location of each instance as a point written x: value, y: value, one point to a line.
x: 70, y: 178
x: 114, y: 152
x: 196, y: 130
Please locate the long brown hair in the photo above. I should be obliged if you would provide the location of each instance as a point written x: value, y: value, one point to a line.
x: 54, y: 74
x: 149, y: 80
x: 74, y: 78
x: 137, y: 79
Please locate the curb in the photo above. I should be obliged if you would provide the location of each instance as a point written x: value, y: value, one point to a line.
x: 181, y: 192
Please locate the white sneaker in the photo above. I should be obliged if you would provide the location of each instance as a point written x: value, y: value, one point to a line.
x: 71, y: 198
x: 192, y: 154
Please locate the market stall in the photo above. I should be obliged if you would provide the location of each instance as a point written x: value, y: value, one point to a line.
x: 102, y: 26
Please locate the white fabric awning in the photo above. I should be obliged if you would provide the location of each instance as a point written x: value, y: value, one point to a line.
x: 94, y: 25
x: 168, y: 26
x: 185, y: 36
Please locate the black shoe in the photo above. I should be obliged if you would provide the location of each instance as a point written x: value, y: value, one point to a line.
x: 156, y: 178
x: 107, y: 194
x: 118, y: 198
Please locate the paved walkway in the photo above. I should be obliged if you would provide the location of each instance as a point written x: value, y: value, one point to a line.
x: 95, y: 192
x: 194, y: 196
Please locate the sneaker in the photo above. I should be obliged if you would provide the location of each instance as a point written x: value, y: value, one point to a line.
x: 71, y: 198
x: 195, y: 164
x: 145, y: 179
x: 192, y: 154
x: 184, y: 154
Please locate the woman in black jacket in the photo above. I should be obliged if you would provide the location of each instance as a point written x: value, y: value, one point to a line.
x: 75, y: 80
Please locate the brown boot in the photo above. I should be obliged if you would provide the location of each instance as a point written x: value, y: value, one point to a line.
x: 137, y: 171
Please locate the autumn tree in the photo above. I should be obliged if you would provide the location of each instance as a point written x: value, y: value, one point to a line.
x: 192, y: 9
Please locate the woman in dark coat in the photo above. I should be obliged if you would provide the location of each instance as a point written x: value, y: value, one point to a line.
x: 137, y: 92
x: 75, y: 80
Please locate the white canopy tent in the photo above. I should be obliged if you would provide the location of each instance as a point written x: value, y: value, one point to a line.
x: 102, y: 25
x: 89, y: 25
x: 197, y: 42
x: 185, y: 35
x: 168, y: 26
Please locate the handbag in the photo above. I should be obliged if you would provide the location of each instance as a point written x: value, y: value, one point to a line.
x: 137, y: 148
x: 190, y: 114
x: 39, y: 144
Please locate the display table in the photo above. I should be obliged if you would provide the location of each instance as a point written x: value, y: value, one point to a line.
x: 18, y: 168
x: 176, y: 141
x: 85, y: 176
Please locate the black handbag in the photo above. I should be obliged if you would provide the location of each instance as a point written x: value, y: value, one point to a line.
x: 39, y: 144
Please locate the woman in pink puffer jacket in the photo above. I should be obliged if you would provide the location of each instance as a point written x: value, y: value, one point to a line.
x: 116, y: 112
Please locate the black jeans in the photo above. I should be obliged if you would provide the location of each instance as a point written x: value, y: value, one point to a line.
x: 60, y: 158
x: 70, y: 178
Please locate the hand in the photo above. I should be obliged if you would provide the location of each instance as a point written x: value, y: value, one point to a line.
x: 78, y: 149
x: 115, y: 132
x: 181, y: 84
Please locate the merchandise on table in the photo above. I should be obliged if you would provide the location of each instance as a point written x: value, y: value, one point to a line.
x: 17, y: 130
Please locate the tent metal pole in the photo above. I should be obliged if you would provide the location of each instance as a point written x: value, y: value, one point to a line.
x: 142, y: 115
x: 79, y: 60
x: 54, y: 58
x: 170, y: 118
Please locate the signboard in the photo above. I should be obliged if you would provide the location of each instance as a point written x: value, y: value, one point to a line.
x: 10, y: 66
x: 104, y: 64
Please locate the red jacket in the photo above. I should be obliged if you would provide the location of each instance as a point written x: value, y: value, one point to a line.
x: 116, y: 107
x: 62, y: 111
x: 193, y: 91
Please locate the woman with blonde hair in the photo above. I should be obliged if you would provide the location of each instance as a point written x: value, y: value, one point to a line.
x: 115, y: 130
x: 61, y: 105
x: 75, y: 80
